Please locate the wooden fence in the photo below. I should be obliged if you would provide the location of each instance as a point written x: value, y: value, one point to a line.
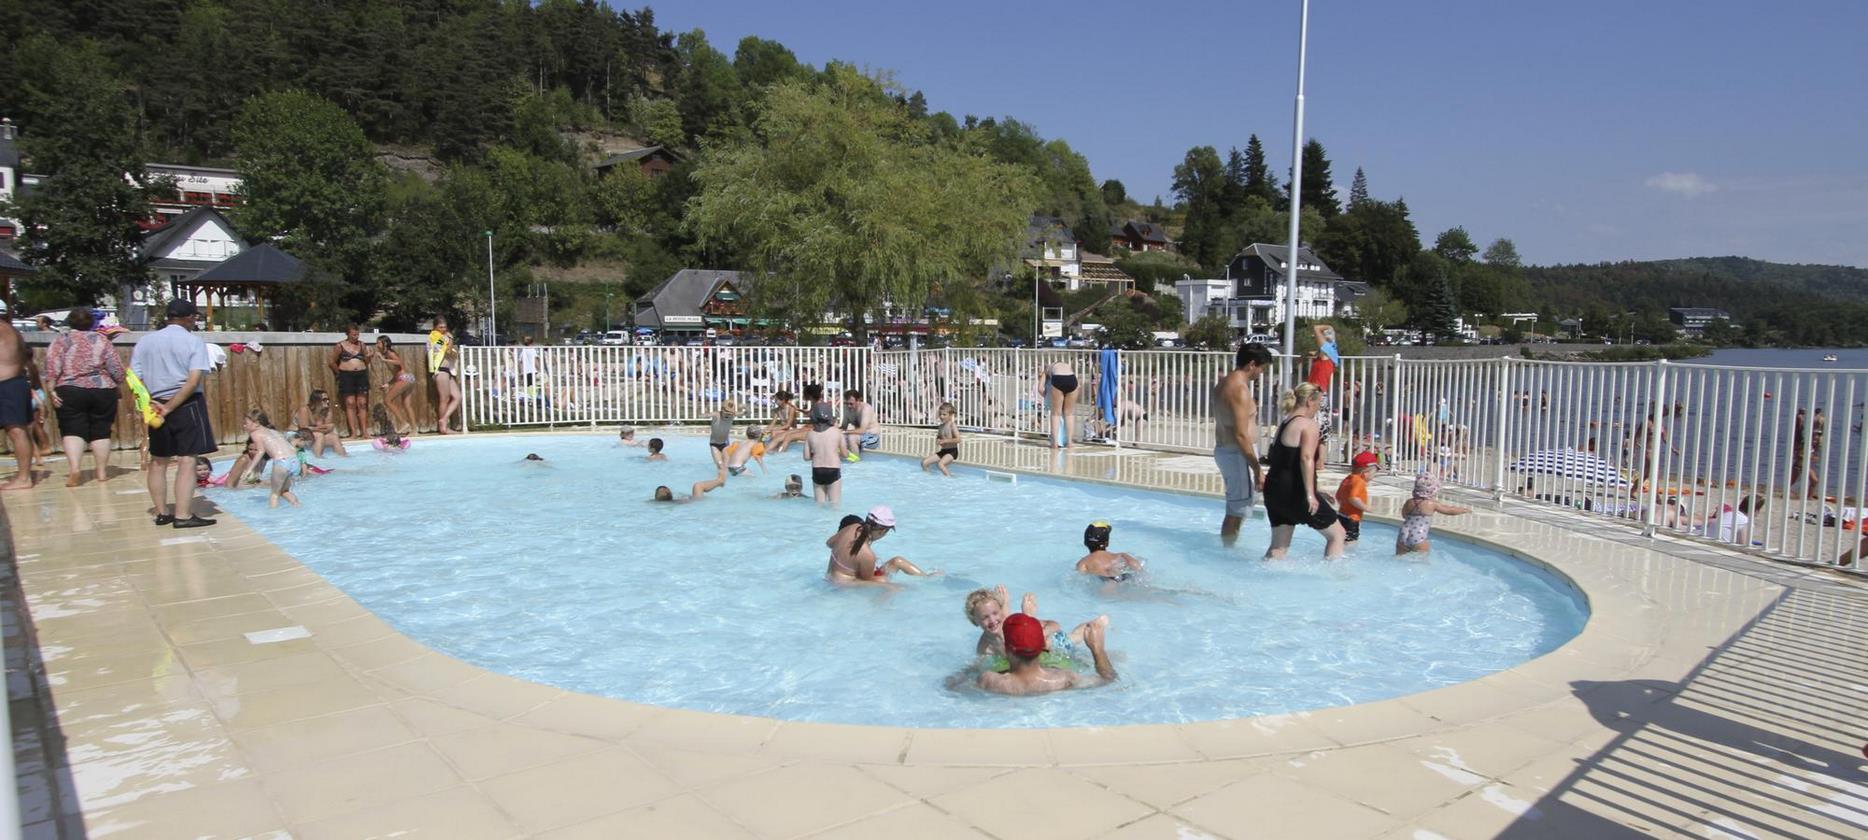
x: 277, y: 380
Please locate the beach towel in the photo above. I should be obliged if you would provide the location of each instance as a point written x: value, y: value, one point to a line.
x: 1109, y: 366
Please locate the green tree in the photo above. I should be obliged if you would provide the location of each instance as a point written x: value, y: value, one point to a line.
x: 426, y: 261
x: 1381, y: 310
x: 1455, y: 245
x: 1200, y: 183
x: 1437, y: 312
x: 1371, y: 241
x: 1259, y: 182
x: 1114, y: 193
x: 839, y: 203
x: 623, y: 200
x: 79, y: 226
x: 1358, y: 189
x: 1209, y: 333
x: 758, y: 63
x: 710, y: 93
x: 1502, y: 252
x: 542, y: 211
x: 1719, y: 332
x: 309, y: 178
x: 1319, y: 189
x: 657, y: 121
x: 1125, y: 327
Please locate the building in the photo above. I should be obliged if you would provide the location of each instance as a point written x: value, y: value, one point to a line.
x: 1202, y: 297
x: 1140, y: 237
x: 175, y: 254
x: 195, y: 186
x: 653, y: 161
x: 1097, y: 269
x: 1691, y: 321
x: 692, y: 300
x: 1051, y: 251
x: 9, y: 178
x: 1256, y: 300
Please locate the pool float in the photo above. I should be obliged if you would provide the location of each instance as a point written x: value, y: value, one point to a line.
x: 383, y: 446
x: 144, y: 403
x: 438, y: 344
x: 1049, y: 659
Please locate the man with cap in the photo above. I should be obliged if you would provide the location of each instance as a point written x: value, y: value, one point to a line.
x: 1024, y: 643
x: 172, y: 362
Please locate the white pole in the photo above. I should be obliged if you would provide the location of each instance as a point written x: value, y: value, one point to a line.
x: 492, y: 301
x: 1297, y: 179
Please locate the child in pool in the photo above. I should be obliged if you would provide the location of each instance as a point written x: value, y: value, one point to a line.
x: 1417, y: 515
x: 387, y: 438
x: 751, y: 449
x: 626, y: 436
x: 302, y: 442
x: 285, y: 462
x: 1111, y: 566
x: 204, y: 473
x: 720, y: 431
x: 987, y: 609
x: 853, y: 546
x: 655, y: 450
x: 946, y: 442
x: 794, y: 489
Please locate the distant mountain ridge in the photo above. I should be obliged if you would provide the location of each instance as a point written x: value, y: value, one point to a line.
x: 1740, y: 285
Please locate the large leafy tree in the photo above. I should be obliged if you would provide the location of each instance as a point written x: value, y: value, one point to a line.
x: 1370, y: 241
x: 839, y: 203
x: 80, y: 224
x: 1200, y: 184
x: 310, y: 179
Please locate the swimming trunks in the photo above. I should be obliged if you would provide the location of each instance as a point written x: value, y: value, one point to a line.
x: 869, y: 440
x: 1352, y: 528
x: 352, y: 383
x: 1118, y: 578
x: 948, y: 452
x: 16, y: 402
x: 184, y: 431
x: 826, y: 476
x: 1236, y: 473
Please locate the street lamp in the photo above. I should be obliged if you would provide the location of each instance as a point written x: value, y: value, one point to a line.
x: 492, y: 301
x: 608, y: 324
x: 1297, y: 179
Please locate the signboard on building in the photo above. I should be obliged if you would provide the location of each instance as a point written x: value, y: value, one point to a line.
x: 1053, y: 329
x: 681, y: 320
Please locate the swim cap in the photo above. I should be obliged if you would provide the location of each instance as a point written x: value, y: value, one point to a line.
x: 821, y: 416
x: 1365, y: 459
x: 1426, y: 485
x: 881, y: 515
x: 1096, y: 537
x: 1024, y: 635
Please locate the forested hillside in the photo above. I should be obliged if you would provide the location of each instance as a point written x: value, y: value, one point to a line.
x: 1773, y: 303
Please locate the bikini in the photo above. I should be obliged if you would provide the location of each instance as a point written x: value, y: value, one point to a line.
x: 1064, y: 382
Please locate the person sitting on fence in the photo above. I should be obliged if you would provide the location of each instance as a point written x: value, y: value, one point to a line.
x: 946, y: 442
x: 750, y: 449
x: 1111, y: 566
x: 626, y: 436
x: 1417, y: 515
x: 655, y: 450
x: 696, y: 493
x: 859, y: 425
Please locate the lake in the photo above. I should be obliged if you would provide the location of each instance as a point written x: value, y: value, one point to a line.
x: 1811, y: 358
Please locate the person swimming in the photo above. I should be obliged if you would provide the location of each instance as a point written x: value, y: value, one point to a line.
x: 696, y: 493
x: 794, y: 489
x: 655, y: 450
x: 533, y: 456
x: 1111, y: 566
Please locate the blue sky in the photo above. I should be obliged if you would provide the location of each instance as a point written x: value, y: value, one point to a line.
x: 1583, y: 130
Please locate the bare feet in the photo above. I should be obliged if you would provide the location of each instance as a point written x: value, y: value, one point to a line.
x: 71, y: 480
x: 19, y: 482
x: 1029, y: 605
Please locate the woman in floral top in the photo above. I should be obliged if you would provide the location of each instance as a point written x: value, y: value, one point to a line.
x: 85, y: 375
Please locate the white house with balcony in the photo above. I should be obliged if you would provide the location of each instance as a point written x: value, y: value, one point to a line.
x: 1252, y: 296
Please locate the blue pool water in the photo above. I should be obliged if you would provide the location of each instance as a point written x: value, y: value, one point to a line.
x: 565, y: 573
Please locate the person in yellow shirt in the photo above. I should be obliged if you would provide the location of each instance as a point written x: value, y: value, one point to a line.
x: 1352, y: 496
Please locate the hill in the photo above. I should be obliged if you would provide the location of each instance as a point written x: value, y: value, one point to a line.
x: 1776, y: 303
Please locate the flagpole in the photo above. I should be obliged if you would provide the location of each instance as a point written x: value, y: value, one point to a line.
x: 1297, y: 179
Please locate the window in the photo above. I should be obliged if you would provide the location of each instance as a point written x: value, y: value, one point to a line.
x: 8, y: 232
x: 197, y: 198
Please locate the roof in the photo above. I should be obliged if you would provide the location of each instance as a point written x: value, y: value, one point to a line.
x: 10, y: 264
x: 1350, y: 290
x: 1275, y: 256
x: 1145, y: 231
x: 260, y: 265
x: 633, y: 154
x: 157, y: 241
x: 1699, y: 312
x: 682, y: 294
x: 183, y: 167
x: 1097, y: 268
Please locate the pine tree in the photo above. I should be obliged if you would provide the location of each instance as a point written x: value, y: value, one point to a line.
x: 1258, y: 178
x: 1319, y: 190
x: 1358, y: 189
x: 1438, y: 311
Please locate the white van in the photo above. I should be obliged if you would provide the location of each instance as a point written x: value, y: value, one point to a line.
x: 1262, y: 338
x: 615, y: 338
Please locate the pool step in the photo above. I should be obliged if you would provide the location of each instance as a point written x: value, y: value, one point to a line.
x: 995, y: 475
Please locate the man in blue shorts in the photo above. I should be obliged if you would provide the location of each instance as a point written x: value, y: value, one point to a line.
x: 16, y: 387
x: 1235, y: 436
x: 172, y: 362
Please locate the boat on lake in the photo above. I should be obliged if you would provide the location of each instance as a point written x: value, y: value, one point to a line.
x: 1829, y: 358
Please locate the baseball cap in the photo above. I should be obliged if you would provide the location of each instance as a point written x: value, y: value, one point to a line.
x: 1024, y: 635
x: 881, y: 515
x: 1365, y: 459
x: 821, y: 415
x: 182, y: 308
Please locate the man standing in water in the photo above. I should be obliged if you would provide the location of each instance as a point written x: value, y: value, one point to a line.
x: 1235, y: 432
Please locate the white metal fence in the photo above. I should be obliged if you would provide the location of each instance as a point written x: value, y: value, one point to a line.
x: 1765, y: 459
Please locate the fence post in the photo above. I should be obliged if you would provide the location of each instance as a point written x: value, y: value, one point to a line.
x: 1501, y: 435
x: 1394, y: 414
x: 1115, y: 401
x: 1653, y: 438
x: 460, y: 384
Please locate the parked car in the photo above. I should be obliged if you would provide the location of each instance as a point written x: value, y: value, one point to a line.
x: 842, y: 341
x: 1015, y: 343
x: 1262, y: 338
x: 615, y: 338
x: 1169, y: 343
x: 725, y: 340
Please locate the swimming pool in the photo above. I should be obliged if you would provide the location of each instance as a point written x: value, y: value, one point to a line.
x: 564, y: 573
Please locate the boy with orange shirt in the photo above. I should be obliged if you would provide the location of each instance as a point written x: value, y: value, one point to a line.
x: 1352, y: 496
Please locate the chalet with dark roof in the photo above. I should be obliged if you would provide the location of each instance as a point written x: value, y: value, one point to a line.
x: 1140, y: 237
x: 693, y: 299
x: 654, y: 161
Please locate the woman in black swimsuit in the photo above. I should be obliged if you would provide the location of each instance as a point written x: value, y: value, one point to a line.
x: 1291, y: 496
x: 1061, y: 393
x: 351, y: 362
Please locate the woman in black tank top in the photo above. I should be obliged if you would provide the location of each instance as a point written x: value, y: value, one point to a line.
x: 1291, y: 496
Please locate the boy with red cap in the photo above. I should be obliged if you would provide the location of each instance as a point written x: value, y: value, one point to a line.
x: 1024, y: 643
x: 1352, y: 496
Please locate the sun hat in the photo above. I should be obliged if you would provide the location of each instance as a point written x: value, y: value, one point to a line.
x: 1426, y: 485
x: 881, y: 515
x: 1024, y: 635
x: 821, y: 416
x: 730, y: 408
x: 1365, y: 459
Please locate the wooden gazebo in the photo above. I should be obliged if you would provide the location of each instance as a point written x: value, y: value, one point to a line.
x: 259, y: 270
x: 10, y: 268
